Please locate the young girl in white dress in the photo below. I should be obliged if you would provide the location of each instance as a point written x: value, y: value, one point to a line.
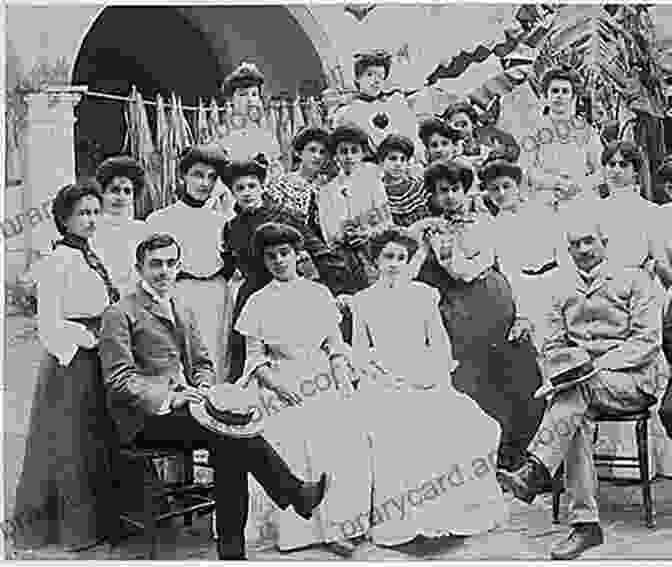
x: 434, y: 449
x: 295, y: 354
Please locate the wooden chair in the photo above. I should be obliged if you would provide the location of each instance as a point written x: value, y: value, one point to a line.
x: 640, y: 419
x: 185, y: 496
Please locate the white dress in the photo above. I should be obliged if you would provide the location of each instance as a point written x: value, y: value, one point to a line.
x: 323, y: 434
x: 199, y: 230
x: 434, y: 449
x: 115, y: 241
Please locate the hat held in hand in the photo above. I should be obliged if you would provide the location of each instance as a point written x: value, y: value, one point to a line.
x: 229, y: 410
x: 564, y: 369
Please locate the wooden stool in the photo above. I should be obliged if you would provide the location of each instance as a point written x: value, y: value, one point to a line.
x: 188, y: 497
x: 641, y: 462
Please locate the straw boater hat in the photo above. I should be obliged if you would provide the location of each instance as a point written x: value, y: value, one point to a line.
x: 229, y: 410
x: 565, y: 369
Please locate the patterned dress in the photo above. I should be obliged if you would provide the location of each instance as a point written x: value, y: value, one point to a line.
x: 407, y: 199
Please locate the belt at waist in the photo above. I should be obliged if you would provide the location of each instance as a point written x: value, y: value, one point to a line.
x: 547, y: 267
x: 187, y: 276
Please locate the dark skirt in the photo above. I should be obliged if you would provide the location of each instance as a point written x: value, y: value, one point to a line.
x: 499, y: 375
x: 65, y: 495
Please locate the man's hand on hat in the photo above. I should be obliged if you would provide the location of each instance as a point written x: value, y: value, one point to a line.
x: 180, y: 398
x: 522, y: 328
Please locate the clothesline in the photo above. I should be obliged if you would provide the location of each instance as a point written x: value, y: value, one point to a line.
x: 120, y: 98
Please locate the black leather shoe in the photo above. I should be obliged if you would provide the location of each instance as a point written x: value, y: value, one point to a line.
x: 581, y: 538
x: 527, y: 482
x: 310, y: 496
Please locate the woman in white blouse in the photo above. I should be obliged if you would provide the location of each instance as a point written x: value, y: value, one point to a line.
x: 65, y: 493
x: 198, y: 228
x: 296, y: 356
x: 121, y: 179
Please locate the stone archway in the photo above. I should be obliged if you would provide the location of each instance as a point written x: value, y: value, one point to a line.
x: 118, y: 52
x: 197, y: 46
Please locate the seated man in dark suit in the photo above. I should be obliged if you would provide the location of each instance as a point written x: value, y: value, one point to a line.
x: 154, y: 364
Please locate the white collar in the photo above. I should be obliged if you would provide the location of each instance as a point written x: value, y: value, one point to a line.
x: 155, y: 296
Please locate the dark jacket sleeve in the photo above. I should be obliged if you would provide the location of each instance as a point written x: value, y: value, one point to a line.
x: 226, y: 253
x: 125, y: 385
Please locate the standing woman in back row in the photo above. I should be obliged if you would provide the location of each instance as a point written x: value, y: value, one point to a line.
x: 200, y: 283
x: 65, y: 493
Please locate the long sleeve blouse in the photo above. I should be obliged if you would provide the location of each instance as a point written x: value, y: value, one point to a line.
x: 67, y: 289
x: 359, y: 198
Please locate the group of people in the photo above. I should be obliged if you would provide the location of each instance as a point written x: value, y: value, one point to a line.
x: 427, y: 303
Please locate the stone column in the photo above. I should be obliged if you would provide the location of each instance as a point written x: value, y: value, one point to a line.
x: 49, y: 162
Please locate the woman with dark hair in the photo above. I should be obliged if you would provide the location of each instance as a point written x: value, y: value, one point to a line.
x: 353, y: 205
x: 246, y: 139
x: 405, y: 192
x: 632, y: 244
x: 405, y: 355
x: 253, y: 209
x: 297, y: 190
x: 65, y: 495
x: 462, y: 116
x: 122, y: 180
x: 295, y: 353
x: 201, y: 284
x: 441, y: 140
x: 497, y: 359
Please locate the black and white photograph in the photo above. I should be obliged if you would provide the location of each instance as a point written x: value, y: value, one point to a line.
x: 337, y: 281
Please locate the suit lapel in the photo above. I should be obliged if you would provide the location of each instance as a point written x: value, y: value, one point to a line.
x: 158, y: 311
x: 182, y: 337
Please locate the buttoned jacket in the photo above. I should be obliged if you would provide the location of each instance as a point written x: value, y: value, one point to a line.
x: 143, y: 350
x: 617, y: 318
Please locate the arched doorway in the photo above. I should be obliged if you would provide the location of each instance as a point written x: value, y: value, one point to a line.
x: 122, y: 49
x: 187, y: 50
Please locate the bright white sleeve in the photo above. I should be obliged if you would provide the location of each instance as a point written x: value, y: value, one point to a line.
x: 60, y: 337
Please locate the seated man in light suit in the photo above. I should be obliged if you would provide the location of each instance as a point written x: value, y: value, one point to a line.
x: 614, y: 316
x: 154, y: 363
